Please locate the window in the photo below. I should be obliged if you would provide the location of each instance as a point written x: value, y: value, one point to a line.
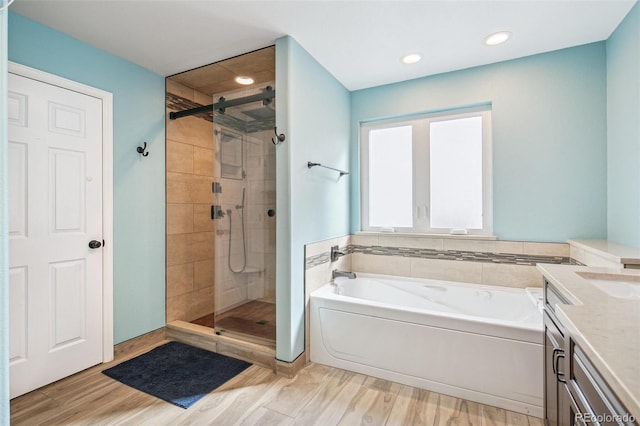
x: 430, y: 174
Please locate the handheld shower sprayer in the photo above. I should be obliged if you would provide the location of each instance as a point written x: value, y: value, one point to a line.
x: 244, y: 240
x: 241, y: 206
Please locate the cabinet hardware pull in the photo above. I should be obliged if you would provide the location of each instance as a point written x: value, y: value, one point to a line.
x: 556, y: 351
x: 559, y: 375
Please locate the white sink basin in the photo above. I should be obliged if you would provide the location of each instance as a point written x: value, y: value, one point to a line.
x: 622, y: 286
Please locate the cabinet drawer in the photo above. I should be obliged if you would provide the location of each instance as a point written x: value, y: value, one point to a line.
x: 558, y: 333
x: 596, y: 395
x: 552, y: 297
x: 575, y: 412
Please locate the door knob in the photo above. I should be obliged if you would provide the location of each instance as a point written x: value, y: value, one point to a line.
x: 95, y: 244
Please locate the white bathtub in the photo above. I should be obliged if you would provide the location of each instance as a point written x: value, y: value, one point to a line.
x: 481, y: 343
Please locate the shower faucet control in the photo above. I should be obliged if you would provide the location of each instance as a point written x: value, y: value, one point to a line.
x: 217, y: 212
x: 336, y: 253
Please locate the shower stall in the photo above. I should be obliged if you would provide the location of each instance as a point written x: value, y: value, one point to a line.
x: 244, y: 212
x: 233, y: 284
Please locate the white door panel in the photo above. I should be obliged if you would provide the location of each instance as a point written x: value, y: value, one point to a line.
x: 17, y: 190
x: 18, y: 314
x: 17, y: 108
x: 66, y: 191
x: 67, y: 307
x: 55, y: 193
x: 66, y: 120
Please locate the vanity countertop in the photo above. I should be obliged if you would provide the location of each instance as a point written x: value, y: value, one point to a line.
x: 610, y: 250
x: 606, y: 328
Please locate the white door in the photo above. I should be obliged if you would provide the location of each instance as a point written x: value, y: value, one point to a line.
x: 55, y: 210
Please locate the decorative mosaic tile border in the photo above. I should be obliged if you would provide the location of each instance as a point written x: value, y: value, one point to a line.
x: 454, y: 255
x: 318, y: 259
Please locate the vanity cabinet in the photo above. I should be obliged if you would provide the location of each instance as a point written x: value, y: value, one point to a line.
x: 575, y: 393
x: 555, y: 392
x: 553, y: 387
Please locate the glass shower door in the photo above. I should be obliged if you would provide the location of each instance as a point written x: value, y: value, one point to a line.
x: 244, y: 191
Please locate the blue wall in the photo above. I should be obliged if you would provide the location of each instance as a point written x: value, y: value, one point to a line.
x: 139, y: 185
x: 4, y: 224
x: 312, y: 109
x: 549, y: 137
x: 623, y: 131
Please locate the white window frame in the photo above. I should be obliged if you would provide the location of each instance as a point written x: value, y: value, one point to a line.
x: 421, y: 173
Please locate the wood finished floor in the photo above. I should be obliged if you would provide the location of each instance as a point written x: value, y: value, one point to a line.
x: 318, y: 395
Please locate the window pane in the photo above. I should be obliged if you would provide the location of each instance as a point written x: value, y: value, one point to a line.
x: 456, y: 173
x: 390, y: 177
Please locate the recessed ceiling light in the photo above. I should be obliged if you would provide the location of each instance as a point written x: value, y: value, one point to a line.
x: 497, y: 38
x: 242, y: 79
x: 411, y: 58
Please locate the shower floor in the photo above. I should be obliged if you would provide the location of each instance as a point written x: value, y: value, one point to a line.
x: 254, y: 320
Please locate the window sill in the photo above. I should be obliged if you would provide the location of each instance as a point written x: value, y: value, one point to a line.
x: 431, y: 236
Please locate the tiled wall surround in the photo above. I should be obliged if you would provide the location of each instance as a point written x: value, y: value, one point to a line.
x: 501, y: 274
x: 460, y: 255
x: 190, y: 230
x: 317, y: 276
x: 506, y: 263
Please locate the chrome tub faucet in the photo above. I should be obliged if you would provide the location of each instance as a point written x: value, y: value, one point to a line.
x: 335, y: 274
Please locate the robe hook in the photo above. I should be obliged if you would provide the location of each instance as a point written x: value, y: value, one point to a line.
x: 279, y: 137
x: 142, y: 150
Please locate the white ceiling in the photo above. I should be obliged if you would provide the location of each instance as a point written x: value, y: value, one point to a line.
x: 359, y: 42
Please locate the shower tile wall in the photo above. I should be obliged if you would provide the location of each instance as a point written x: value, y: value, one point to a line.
x: 190, y: 230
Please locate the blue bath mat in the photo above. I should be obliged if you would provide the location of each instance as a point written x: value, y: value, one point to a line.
x: 178, y: 373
